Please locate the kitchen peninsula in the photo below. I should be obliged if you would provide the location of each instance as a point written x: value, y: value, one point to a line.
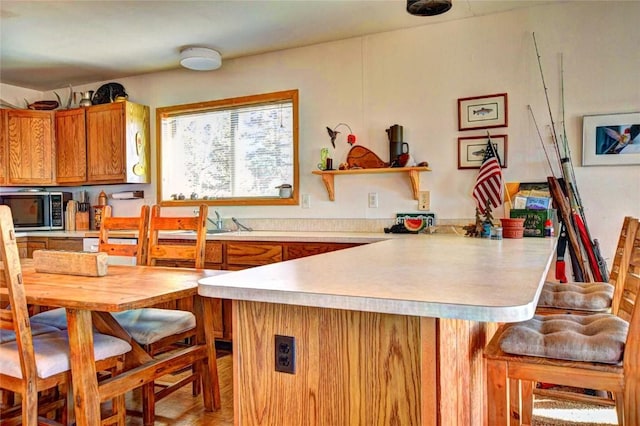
x: 385, y: 333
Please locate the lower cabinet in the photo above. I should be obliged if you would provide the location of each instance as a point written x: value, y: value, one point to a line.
x: 224, y: 255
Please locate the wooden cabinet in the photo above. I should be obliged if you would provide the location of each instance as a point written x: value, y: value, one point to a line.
x: 118, y: 143
x: 71, y: 146
x: 69, y: 244
x: 36, y: 244
x: 242, y: 255
x: 29, y: 148
x: 298, y: 250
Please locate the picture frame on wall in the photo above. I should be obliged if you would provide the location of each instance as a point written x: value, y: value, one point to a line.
x: 483, y: 112
x: 611, y: 139
x: 471, y: 150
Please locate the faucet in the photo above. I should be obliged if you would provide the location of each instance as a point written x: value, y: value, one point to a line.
x: 218, y: 221
x: 240, y: 226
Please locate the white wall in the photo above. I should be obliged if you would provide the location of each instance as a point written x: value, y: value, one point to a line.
x: 413, y: 78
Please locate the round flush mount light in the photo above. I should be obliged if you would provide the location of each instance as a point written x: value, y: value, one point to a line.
x: 200, y: 58
x: 428, y: 7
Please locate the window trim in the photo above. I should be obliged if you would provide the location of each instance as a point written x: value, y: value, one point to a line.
x: 164, y: 112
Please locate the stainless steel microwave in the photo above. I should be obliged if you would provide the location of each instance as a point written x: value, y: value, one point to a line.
x: 36, y: 210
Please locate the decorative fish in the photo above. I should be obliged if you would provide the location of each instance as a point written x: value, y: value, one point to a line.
x: 482, y: 111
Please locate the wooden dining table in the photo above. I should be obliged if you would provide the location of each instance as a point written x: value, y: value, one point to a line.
x: 88, y: 302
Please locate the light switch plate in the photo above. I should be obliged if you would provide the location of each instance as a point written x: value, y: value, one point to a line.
x: 424, y: 200
x: 306, y: 201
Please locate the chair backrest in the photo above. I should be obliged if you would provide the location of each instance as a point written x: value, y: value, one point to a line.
x: 621, y: 259
x: 17, y: 317
x: 140, y: 224
x: 627, y: 311
x: 178, y: 251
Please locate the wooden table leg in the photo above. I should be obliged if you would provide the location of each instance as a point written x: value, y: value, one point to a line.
x: 83, y: 368
x: 210, y: 381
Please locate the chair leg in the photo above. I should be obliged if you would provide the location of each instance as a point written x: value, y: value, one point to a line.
x: 526, y: 412
x: 514, y: 402
x: 497, y: 397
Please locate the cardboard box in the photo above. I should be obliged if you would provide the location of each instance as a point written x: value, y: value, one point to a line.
x: 533, y: 220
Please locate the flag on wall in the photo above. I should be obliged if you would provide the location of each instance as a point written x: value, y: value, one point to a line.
x: 489, y: 184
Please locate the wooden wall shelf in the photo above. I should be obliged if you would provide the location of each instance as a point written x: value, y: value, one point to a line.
x: 413, y: 172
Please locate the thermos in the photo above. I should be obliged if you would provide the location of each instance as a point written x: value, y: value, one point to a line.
x: 396, y: 146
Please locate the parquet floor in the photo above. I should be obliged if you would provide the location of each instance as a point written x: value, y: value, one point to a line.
x: 181, y: 408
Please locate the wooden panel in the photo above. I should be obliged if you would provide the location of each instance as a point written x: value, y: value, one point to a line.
x: 106, y: 142
x: 298, y: 250
x: 253, y: 253
x: 351, y: 367
x: 36, y: 244
x: 22, y: 248
x: 71, y: 146
x: 212, y: 253
x: 30, y: 147
x: 70, y: 244
x: 461, y: 370
x: 3, y: 147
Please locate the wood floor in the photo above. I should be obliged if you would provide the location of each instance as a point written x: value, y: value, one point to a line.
x: 181, y: 408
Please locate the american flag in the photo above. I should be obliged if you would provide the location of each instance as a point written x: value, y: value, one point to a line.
x: 489, y: 184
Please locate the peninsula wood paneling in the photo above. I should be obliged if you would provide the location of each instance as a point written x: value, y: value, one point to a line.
x: 352, y: 368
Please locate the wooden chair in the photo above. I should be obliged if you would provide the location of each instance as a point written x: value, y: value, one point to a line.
x: 586, y: 298
x: 32, y: 363
x: 510, y: 376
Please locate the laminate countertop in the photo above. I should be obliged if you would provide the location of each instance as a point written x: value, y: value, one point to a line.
x: 281, y: 236
x: 443, y: 276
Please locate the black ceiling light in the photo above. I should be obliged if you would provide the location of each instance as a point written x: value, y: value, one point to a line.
x: 428, y: 7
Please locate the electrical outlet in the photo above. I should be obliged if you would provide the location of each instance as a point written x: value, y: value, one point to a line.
x: 285, y: 354
x: 306, y: 201
x: 424, y: 200
x: 373, y: 200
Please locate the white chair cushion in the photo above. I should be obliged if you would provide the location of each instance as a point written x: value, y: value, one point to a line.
x: 54, y: 317
x: 591, y: 338
x: 148, y: 325
x: 52, y: 353
x: 36, y: 328
x: 594, y: 297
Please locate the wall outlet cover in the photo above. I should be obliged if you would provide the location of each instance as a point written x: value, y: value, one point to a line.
x: 424, y: 200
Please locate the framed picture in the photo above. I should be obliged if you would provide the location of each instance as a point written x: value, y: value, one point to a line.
x: 471, y: 150
x: 611, y: 139
x: 482, y: 112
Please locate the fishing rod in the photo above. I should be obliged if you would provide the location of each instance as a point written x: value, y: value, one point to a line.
x: 544, y: 149
x: 572, y: 218
x: 596, y: 260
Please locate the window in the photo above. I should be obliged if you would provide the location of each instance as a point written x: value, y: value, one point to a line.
x: 229, y: 152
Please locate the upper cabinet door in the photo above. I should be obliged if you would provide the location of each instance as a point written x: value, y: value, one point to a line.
x: 31, y: 153
x: 106, y: 143
x: 71, y: 146
x: 118, y: 143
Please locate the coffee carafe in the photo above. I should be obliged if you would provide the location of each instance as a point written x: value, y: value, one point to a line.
x: 396, y: 146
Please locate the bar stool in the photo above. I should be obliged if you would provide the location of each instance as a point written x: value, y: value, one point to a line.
x: 599, y: 351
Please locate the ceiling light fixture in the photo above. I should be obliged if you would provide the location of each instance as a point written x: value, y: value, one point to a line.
x: 200, y: 58
x: 428, y: 7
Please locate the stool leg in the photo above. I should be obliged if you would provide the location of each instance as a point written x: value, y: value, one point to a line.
x: 497, y: 396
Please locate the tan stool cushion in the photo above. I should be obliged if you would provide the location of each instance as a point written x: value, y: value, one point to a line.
x: 592, y: 338
x: 594, y: 297
x: 148, y: 325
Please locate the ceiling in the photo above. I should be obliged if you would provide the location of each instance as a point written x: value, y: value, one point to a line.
x: 47, y: 45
